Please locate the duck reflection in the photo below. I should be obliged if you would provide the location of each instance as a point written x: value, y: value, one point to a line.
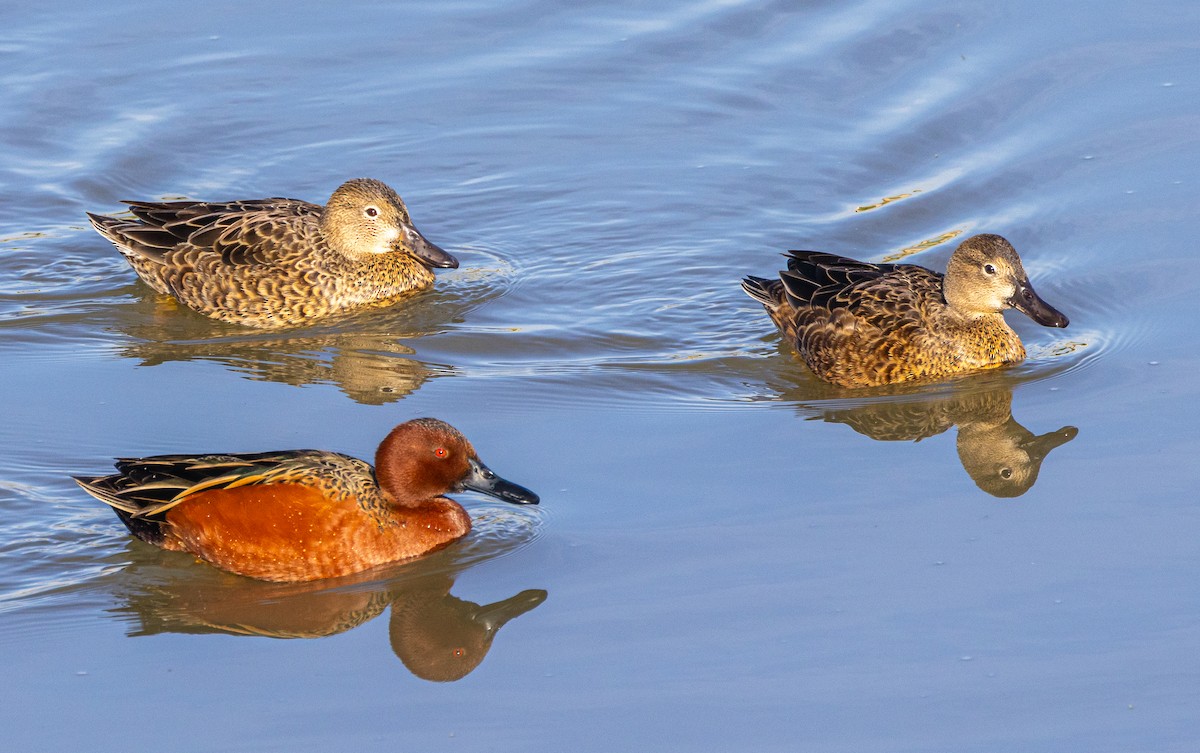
x: 443, y: 638
x: 369, y: 364
x: 436, y: 635
x: 1001, y: 456
x: 372, y: 370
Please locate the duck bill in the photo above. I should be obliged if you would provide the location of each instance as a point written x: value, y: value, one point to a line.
x: 480, y: 478
x: 494, y: 616
x: 427, y: 253
x: 1031, y: 305
x: 1040, y: 447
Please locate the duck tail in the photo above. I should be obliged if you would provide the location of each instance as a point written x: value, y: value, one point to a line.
x: 767, y: 292
x: 773, y: 296
x: 148, y: 530
x: 136, y: 240
x: 106, y: 226
x: 104, y: 489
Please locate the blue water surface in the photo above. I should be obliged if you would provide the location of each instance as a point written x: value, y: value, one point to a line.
x: 729, y: 554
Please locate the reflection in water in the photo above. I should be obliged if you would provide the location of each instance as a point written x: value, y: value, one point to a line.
x: 437, y: 636
x: 442, y: 638
x: 369, y: 364
x: 1002, y: 457
x: 370, y: 369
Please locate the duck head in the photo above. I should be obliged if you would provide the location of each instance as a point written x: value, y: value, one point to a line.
x: 985, y: 276
x: 426, y: 458
x: 365, y: 216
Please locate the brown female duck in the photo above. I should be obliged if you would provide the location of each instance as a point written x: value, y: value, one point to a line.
x: 278, y: 262
x: 858, y: 324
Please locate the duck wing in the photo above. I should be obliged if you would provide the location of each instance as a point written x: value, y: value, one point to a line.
x: 814, y: 278
x: 241, y: 232
x: 819, y: 280
x: 151, y: 486
x: 182, y: 218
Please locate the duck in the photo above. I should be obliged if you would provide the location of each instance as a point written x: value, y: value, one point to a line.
x: 304, y: 515
x: 273, y: 263
x: 858, y: 324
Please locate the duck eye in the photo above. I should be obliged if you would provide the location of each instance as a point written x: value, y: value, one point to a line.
x: 440, y: 452
x: 371, y: 212
x: 989, y: 269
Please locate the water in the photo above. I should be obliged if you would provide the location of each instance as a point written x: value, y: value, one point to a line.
x: 729, y: 554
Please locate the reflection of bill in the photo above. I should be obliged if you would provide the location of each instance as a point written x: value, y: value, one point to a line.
x: 1002, y: 457
x: 443, y: 638
x: 438, y: 636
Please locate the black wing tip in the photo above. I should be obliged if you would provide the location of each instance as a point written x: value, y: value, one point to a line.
x: 100, y: 221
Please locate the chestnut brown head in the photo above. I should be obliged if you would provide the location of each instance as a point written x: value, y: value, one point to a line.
x: 426, y: 458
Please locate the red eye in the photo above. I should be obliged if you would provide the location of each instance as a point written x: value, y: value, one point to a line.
x: 440, y: 452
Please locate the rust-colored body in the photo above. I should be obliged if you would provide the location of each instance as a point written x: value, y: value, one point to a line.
x: 297, y: 532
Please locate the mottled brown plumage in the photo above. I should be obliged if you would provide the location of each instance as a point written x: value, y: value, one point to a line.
x: 858, y: 324
x: 305, y: 514
x: 278, y: 262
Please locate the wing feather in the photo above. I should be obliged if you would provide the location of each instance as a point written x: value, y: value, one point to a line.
x: 145, y: 487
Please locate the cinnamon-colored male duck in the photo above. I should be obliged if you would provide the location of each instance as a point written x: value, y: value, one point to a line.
x: 859, y: 325
x: 278, y: 262
x: 306, y: 514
